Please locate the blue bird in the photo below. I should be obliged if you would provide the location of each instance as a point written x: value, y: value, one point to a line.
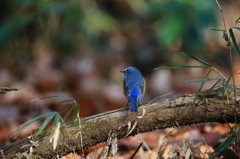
x: 133, y: 87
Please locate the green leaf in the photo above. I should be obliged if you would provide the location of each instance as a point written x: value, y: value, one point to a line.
x: 234, y: 42
x: 67, y: 98
x: 225, y: 37
x: 197, y: 59
x: 76, y: 111
x: 199, y: 90
x: 209, y: 90
x: 50, y: 115
x: 224, y: 145
x: 177, y: 67
x: 231, y: 129
x: 223, y: 90
x: 216, y: 29
x: 47, y: 97
x: 28, y: 123
x: 205, y: 79
x: 236, y: 28
x: 57, y: 119
x: 36, y: 119
x: 65, y: 107
x: 229, y: 78
x: 227, y: 142
x: 238, y: 20
x: 41, y: 98
x: 69, y: 111
x: 225, y: 86
x: 52, y: 97
x: 64, y: 101
x: 44, y: 124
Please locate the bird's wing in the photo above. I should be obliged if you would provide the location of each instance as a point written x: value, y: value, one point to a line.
x: 123, y: 88
x: 142, y: 87
x: 126, y: 88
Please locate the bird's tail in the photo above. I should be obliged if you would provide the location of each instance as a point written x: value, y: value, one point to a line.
x: 134, y: 103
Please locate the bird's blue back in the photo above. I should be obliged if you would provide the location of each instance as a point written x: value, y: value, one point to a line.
x: 134, y: 87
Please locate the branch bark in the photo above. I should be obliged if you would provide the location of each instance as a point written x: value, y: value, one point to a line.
x: 5, y: 89
x: 158, y: 115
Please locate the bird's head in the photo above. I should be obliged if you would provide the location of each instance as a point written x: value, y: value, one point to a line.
x: 130, y: 70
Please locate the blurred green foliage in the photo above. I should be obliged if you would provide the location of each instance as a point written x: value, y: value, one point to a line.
x: 66, y: 24
x: 184, y: 20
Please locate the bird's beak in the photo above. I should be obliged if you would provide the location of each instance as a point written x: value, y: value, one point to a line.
x: 122, y: 71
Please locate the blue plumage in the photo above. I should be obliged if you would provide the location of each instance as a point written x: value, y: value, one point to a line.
x: 133, y: 87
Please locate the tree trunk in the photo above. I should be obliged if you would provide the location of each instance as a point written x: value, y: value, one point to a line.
x: 158, y: 115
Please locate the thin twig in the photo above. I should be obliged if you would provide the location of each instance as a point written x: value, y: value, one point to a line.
x: 201, y: 136
x: 234, y: 87
x: 5, y: 89
x: 145, y: 144
x: 220, y: 73
x: 136, y: 150
x: 219, y: 5
x: 160, y: 97
x: 181, y: 132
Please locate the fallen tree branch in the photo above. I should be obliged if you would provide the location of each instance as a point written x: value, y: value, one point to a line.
x: 158, y: 115
x: 5, y: 89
